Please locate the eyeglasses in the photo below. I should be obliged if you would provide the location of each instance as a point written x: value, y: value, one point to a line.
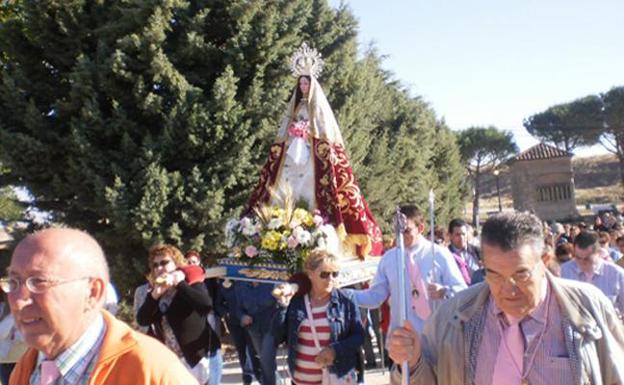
x: 162, y: 263
x: 326, y: 274
x: 34, y: 284
x: 520, y: 278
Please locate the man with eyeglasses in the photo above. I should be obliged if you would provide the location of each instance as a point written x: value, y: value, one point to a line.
x: 521, y: 326
x: 430, y: 276
x: 55, y: 286
x: 588, y: 266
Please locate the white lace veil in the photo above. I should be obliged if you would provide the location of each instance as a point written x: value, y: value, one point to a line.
x: 323, y: 123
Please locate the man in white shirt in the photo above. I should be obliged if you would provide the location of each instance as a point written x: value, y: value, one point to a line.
x: 432, y: 264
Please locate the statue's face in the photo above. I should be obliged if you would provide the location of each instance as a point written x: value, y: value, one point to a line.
x: 304, y: 85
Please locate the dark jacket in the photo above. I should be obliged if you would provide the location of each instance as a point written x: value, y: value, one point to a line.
x: 256, y: 301
x: 347, y: 334
x: 187, y: 316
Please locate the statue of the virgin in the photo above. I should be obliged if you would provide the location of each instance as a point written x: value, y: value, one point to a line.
x: 309, y: 157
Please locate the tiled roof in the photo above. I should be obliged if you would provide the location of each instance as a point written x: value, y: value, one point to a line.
x: 542, y: 151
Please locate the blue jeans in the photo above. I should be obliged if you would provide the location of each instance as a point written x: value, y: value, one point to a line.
x: 247, y: 356
x: 216, y: 368
x: 264, y: 345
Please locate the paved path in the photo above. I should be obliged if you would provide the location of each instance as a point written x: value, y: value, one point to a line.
x: 231, y: 374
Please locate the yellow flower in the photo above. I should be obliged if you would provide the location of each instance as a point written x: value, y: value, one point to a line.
x: 277, y: 212
x: 271, y: 240
x: 308, y: 220
x: 303, y: 216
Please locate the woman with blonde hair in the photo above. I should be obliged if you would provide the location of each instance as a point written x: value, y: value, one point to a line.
x: 322, y: 328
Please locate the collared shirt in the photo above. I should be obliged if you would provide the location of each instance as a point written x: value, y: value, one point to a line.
x: 545, y: 353
x: 472, y: 262
x: 77, y: 362
x: 441, y: 269
x: 608, y: 277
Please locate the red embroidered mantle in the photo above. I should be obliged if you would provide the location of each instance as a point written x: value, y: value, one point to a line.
x: 338, y: 196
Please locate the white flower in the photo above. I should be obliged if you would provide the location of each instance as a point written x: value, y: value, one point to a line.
x: 303, y: 237
x: 248, y: 227
x: 231, y: 225
x: 275, y: 224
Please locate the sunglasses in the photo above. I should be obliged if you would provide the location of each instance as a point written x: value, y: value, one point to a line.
x: 326, y: 274
x: 162, y: 263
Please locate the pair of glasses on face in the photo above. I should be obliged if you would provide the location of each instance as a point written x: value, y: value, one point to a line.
x: 36, y: 285
x: 327, y: 274
x: 162, y: 263
x: 520, y: 278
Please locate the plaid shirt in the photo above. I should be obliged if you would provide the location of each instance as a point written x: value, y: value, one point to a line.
x: 77, y: 362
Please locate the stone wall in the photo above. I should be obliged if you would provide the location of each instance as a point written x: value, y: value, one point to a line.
x: 545, y: 186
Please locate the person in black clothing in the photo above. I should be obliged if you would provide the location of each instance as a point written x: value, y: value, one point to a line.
x: 176, y: 307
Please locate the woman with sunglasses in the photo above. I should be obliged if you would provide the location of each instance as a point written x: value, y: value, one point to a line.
x: 322, y: 327
x: 176, y: 308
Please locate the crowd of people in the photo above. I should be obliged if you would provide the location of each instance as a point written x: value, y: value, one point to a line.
x: 526, y: 302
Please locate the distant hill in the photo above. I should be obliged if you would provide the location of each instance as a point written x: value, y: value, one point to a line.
x: 595, y: 171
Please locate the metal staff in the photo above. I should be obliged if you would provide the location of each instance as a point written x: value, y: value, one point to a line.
x: 399, y: 227
x: 432, y: 274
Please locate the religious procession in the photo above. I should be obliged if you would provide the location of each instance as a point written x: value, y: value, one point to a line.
x: 205, y: 193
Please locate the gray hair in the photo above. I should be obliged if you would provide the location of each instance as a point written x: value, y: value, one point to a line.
x: 510, y: 231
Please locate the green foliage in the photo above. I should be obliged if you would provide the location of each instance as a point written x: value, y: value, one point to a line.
x: 10, y: 208
x: 568, y: 125
x: 613, y: 122
x: 483, y: 149
x: 585, y: 121
x: 148, y: 121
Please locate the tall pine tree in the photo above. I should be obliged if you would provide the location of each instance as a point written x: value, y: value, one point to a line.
x: 147, y: 120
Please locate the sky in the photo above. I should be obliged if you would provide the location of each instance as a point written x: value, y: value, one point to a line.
x: 497, y: 62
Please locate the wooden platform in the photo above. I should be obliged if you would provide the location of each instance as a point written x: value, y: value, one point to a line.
x: 351, y: 271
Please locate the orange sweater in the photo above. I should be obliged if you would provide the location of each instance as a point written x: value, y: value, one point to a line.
x: 127, y: 357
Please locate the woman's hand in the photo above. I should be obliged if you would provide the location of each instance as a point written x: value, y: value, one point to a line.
x: 284, y: 292
x: 325, y: 357
x: 166, y: 281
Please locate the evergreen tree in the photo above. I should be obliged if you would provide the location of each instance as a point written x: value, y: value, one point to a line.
x: 148, y: 120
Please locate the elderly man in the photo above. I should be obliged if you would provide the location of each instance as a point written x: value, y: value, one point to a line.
x: 56, y: 286
x: 522, y: 326
x: 588, y: 266
x: 431, y: 276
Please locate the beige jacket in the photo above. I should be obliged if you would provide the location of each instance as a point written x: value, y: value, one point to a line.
x: 597, y: 356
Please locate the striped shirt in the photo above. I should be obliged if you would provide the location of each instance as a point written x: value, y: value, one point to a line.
x: 76, y: 363
x: 607, y: 276
x: 545, y: 357
x: 307, y: 371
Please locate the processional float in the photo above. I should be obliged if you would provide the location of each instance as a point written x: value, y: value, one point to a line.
x: 307, y: 196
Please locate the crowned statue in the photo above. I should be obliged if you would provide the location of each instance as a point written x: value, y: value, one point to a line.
x: 309, y: 160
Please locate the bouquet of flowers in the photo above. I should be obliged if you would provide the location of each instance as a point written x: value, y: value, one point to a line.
x: 276, y: 235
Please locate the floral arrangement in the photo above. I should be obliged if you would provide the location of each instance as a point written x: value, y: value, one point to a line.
x: 276, y: 235
x: 299, y: 129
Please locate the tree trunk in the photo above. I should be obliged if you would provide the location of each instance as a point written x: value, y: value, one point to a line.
x: 475, y: 199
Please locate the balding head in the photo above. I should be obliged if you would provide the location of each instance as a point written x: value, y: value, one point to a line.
x: 74, y: 248
x: 71, y: 274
